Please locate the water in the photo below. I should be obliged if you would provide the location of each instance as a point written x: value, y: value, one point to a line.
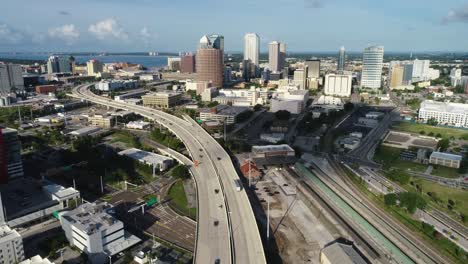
x: 145, y: 60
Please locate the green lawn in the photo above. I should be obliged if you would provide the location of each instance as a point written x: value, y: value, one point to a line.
x: 125, y: 137
x: 179, y: 200
x: 443, y: 194
x: 444, y: 131
x: 445, y: 172
x: 390, y: 158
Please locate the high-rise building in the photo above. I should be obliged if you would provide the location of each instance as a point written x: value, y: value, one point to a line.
x: 251, y: 47
x: 282, y: 57
x: 11, y: 76
x: 11, y: 245
x: 455, y: 76
x: 94, y: 67
x: 274, y: 56
x: 420, y: 70
x: 396, y: 76
x: 372, y: 63
x: 341, y: 59
x: 174, y: 63
x: 187, y: 64
x: 57, y: 64
x: 314, y: 68
x: 10, y: 155
x: 338, y: 84
x: 210, y: 60
x: 300, y: 77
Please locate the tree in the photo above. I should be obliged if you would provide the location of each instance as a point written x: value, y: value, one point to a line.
x: 443, y: 144
x: 432, y: 122
x: 212, y: 104
x: 180, y: 172
x: 257, y: 107
x: 282, y: 115
x: 348, y: 106
x: 412, y: 201
x: 390, y: 199
x: 398, y: 175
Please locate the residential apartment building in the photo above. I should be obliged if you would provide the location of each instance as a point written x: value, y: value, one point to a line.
x: 166, y: 99
x: 445, y: 113
x: 11, y: 245
x: 11, y: 76
x: 372, y: 63
x: 222, y: 113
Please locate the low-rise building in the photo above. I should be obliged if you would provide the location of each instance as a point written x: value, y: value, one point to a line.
x: 101, y: 120
x: 142, y: 125
x: 93, y: 229
x: 293, y: 101
x: 154, y: 160
x: 150, y: 77
x: 112, y: 85
x: 85, y: 131
x: 222, y: 113
x: 445, y: 159
x: 166, y: 99
x: 37, y: 260
x: 341, y: 253
x: 45, y: 89
x: 445, y: 113
x: 338, y: 84
x: 374, y: 115
x: 11, y: 245
x: 273, y: 155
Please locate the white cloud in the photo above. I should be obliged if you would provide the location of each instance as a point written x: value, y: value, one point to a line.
x: 145, y: 33
x: 457, y: 15
x: 10, y: 35
x: 108, y: 28
x: 67, y: 33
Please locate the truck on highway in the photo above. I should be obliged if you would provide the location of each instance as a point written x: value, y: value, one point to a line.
x: 238, y: 185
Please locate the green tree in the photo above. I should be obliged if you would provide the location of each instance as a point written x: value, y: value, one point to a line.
x: 443, y: 144
x: 257, y: 107
x: 282, y: 115
x: 390, y: 199
x: 348, y: 106
x: 180, y: 172
x: 432, y: 122
x: 412, y: 201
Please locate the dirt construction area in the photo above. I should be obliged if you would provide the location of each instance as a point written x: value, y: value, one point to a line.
x: 299, y: 230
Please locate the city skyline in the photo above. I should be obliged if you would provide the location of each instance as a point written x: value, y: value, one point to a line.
x: 109, y: 26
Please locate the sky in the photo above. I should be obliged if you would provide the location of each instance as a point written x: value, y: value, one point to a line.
x: 177, y: 25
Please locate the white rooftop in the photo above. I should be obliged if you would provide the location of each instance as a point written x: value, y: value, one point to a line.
x: 36, y: 260
x: 145, y: 156
x: 447, y: 107
x: 268, y: 148
x: 60, y: 192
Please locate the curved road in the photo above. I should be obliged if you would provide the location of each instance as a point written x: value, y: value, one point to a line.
x: 235, y: 238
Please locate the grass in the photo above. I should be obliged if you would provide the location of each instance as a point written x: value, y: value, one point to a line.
x: 125, y: 137
x: 444, y: 245
x: 390, y: 158
x: 444, y: 131
x: 179, y: 200
x: 443, y: 194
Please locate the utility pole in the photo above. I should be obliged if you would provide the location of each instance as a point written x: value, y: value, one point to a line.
x: 268, y: 220
x: 19, y: 114
x: 102, y: 186
x: 250, y: 169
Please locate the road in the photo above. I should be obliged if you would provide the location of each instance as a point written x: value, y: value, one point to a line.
x: 226, y: 228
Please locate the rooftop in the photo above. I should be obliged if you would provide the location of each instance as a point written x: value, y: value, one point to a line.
x: 269, y: 148
x: 448, y: 156
x: 145, y: 156
x: 91, y: 217
x: 226, y: 110
x: 447, y: 107
x: 6, y: 233
x: 343, y: 254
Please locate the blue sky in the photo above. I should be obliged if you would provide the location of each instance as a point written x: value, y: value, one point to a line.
x: 177, y: 25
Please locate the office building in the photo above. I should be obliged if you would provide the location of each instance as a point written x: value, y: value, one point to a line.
x: 101, y: 120
x: 222, y: 113
x: 93, y: 229
x: 338, y: 84
x: 252, y: 48
x: 11, y: 245
x: 165, y: 99
x: 187, y: 63
x: 396, y: 74
x: 445, y: 159
x: 11, y: 165
x: 210, y: 60
x: 45, y: 89
x: 274, y: 56
x: 314, y: 68
x: 249, y: 70
x: 464, y: 83
x: 455, y: 76
x: 11, y: 78
x: 411, y: 71
x: 282, y: 55
x: 300, y: 77
x: 242, y: 97
x: 341, y: 59
x: 420, y: 70
x: 174, y: 63
x: 372, y: 63
x: 154, y: 160
x: 94, y: 67
x: 445, y: 113
x: 293, y: 101
x: 59, y: 64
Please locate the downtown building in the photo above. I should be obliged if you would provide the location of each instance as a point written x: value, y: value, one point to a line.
x: 187, y: 63
x: 372, y: 63
x: 338, y: 84
x: 94, y: 67
x: 59, y: 64
x: 274, y: 56
x: 11, y: 77
x: 11, y: 165
x: 341, y: 59
x: 250, y: 63
x: 210, y: 60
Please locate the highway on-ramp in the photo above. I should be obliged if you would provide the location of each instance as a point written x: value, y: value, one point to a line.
x: 226, y: 226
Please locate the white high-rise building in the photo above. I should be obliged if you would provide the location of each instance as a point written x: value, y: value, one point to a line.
x: 11, y: 242
x: 455, y: 77
x: 338, y: 84
x: 251, y: 47
x: 372, y: 63
x: 274, y: 56
x: 421, y: 70
x: 445, y: 113
x: 341, y: 59
x: 300, y: 77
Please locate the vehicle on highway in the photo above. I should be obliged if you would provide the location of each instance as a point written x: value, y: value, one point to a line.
x: 238, y: 185
x: 216, y: 223
x: 217, y: 261
x: 216, y: 190
x: 219, y: 158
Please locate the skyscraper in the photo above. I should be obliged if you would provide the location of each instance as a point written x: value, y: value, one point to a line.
x: 314, y: 68
x: 58, y: 64
x: 210, y: 60
x: 11, y: 76
x: 274, y: 56
x: 94, y: 67
x: 10, y: 155
x: 341, y: 59
x: 251, y: 47
x: 282, y: 60
x: 372, y: 62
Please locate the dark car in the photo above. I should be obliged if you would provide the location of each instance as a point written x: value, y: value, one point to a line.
x: 217, y: 261
x: 219, y: 158
x: 216, y: 223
